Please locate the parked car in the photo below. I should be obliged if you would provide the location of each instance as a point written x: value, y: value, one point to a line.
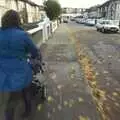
x: 80, y: 20
x: 65, y: 21
x: 90, y: 22
x: 107, y: 26
x: 72, y: 19
x: 77, y: 20
x: 83, y: 21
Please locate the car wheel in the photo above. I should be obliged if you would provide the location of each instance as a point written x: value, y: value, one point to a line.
x: 103, y: 30
x: 44, y: 92
x: 116, y: 31
x: 97, y: 29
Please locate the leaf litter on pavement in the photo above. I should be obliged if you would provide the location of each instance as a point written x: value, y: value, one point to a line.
x: 91, y: 76
x: 39, y: 107
x: 117, y: 104
x: 83, y: 118
x: 49, y: 115
x: 72, y: 72
x: 66, y: 103
x: 115, y: 94
x: 54, y: 110
x: 53, y: 76
x: 80, y: 100
x: 75, y: 85
x: 60, y: 87
x: 50, y: 99
x: 59, y: 107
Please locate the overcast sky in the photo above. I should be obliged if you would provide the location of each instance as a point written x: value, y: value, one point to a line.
x: 76, y: 3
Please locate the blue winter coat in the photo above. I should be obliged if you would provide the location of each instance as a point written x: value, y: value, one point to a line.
x: 15, y: 72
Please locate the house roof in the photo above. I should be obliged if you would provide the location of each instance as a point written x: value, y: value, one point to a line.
x: 107, y: 3
x: 31, y: 3
x: 94, y: 8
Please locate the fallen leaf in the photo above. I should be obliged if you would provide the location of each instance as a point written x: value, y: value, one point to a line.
x: 80, y: 99
x: 118, y: 60
x: 56, y: 93
x: 109, y: 56
x: 39, y: 107
x: 113, y: 98
x: 117, y: 104
x: 53, y: 76
x: 79, y: 54
x: 74, y: 85
x: 72, y: 76
x: 94, y: 83
x: 49, y: 115
x: 65, y: 103
x: 105, y: 72
x: 59, y: 107
x: 89, y: 77
x: 50, y: 99
x: 108, y: 108
x: 108, y: 84
x: 83, y: 118
x: 53, y: 109
x: 87, y: 69
x: 99, y: 62
x: 96, y: 73
x: 59, y: 87
x: 73, y: 69
x: 70, y: 105
x: 99, y: 93
x: 58, y: 58
x: 72, y: 101
x: 115, y: 94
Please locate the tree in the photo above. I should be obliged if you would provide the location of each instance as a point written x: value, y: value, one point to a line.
x: 52, y: 8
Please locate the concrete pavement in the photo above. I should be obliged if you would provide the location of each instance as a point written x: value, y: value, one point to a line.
x: 71, y: 97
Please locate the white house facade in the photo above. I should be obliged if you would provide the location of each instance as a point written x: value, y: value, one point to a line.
x: 29, y: 11
x: 110, y: 10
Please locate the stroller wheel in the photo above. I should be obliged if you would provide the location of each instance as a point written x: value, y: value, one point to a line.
x: 44, y: 93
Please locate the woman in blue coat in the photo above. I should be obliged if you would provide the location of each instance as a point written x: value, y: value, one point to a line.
x: 15, y: 72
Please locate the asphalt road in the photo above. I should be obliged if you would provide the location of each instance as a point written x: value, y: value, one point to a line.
x: 104, y: 52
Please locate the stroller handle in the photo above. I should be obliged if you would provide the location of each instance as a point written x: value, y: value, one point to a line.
x: 36, y: 64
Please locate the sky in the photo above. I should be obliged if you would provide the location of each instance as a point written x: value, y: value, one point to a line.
x: 76, y: 3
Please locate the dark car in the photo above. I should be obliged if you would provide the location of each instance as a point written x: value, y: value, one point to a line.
x: 65, y: 21
x: 72, y: 19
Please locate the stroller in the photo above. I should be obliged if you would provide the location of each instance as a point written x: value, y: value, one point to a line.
x: 38, y: 86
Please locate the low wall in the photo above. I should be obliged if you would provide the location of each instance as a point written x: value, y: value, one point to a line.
x: 37, y: 34
x: 54, y: 25
x: 43, y: 32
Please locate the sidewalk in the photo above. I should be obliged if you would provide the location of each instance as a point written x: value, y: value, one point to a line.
x: 68, y: 95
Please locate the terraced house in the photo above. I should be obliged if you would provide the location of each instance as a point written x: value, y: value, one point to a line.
x: 29, y: 11
x: 110, y: 10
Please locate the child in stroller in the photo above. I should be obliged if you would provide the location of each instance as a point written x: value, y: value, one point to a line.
x: 38, y: 88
